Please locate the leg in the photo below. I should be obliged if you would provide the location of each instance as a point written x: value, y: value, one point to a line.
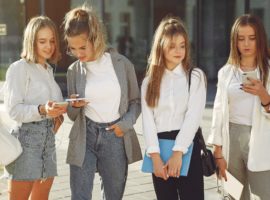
x: 81, y: 178
x: 165, y: 190
x: 259, y: 184
x: 192, y: 186
x: 112, y: 166
x: 41, y: 189
x: 19, y: 190
x: 239, y: 140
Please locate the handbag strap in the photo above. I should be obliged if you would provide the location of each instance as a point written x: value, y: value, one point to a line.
x: 199, y: 132
x: 201, y: 141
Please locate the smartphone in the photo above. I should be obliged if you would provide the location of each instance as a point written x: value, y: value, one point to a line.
x: 59, y: 104
x: 246, y: 75
x: 76, y: 99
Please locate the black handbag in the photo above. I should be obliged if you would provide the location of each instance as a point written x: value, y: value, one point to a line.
x: 208, y: 161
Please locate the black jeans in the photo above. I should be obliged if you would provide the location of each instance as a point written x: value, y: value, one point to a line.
x: 190, y: 187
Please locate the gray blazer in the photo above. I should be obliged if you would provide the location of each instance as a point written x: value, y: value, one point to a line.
x: 129, y: 109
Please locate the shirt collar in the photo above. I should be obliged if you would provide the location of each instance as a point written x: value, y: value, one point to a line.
x: 178, y: 70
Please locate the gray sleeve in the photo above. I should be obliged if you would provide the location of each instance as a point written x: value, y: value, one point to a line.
x: 134, y: 103
x: 71, y: 89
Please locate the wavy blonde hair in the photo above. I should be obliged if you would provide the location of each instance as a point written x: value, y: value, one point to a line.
x: 262, y: 49
x: 84, y: 20
x: 29, y: 51
x: 167, y: 29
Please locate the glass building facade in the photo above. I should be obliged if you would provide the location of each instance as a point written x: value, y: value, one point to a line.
x: 131, y: 24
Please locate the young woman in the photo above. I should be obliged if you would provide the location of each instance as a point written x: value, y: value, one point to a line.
x: 30, y: 92
x: 172, y: 109
x: 241, y: 119
x: 103, y: 123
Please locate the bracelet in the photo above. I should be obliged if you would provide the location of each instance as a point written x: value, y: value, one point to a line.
x: 42, y: 115
x: 264, y: 105
x: 219, y: 158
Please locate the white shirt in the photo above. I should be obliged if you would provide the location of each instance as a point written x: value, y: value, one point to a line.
x: 241, y: 103
x: 177, y: 109
x: 102, y: 90
x: 28, y: 85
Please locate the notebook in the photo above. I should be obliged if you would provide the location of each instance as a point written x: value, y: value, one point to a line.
x: 165, y: 153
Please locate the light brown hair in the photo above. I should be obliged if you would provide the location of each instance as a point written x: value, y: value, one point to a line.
x: 167, y: 29
x: 262, y: 50
x: 29, y: 51
x: 84, y: 20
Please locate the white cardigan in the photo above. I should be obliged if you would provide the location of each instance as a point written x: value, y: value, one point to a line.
x: 259, y: 156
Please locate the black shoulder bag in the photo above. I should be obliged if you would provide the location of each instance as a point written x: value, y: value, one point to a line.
x: 208, y: 162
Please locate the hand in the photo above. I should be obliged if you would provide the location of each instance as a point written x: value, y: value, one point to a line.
x: 255, y: 87
x: 117, y: 130
x: 159, y: 169
x: 174, y: 164
x: 57, y: 123
x: 79, y: 103
x: 51, y: 110
x: 220, y: 162
x: 222, y: 166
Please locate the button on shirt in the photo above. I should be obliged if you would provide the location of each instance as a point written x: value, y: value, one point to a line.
x: 28, y: 85
x: 177, y: 109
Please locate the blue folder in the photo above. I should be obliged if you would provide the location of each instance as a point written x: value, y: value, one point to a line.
x: 166, y: 147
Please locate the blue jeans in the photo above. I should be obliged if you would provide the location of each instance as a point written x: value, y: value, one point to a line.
x: 105, y: 154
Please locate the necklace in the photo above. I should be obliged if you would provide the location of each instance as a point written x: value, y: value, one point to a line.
x: 247, y: 68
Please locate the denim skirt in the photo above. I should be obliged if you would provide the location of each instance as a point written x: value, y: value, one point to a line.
x: 38, y: 160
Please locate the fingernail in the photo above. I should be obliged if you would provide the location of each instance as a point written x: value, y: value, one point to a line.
x: 241, y: 88
x: 241, y: 84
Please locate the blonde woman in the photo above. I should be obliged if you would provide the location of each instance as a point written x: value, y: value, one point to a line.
x: 241, y: 119
x: 105, y: 119
x: 30, y: 92
x: 172, y: 109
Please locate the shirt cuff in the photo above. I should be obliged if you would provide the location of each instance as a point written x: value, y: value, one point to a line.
x: 180, y: 148
x: 152, y: 149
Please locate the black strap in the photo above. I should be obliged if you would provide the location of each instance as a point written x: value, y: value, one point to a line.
x: 201, y: 141
x: 189, y: 78
x: 199, y: 132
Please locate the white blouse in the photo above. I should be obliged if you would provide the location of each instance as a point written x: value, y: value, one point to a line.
x: 177, y: 109
x: 28, y: 85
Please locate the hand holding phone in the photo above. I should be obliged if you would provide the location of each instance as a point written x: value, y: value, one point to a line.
x: 77, y: 102
x: 60, y: 104
x: 247, y: 75
x: 75, y: 99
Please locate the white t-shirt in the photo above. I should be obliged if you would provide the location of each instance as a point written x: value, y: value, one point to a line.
x: 241, y: 103
x: 102, y: 90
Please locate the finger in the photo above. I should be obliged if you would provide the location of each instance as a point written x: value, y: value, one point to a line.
x: 178, y: 172
x: 164, y: 175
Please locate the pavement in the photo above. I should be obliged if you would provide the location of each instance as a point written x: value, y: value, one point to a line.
x: 139, y: 185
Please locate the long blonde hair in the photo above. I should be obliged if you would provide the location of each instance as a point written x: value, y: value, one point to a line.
x: 29, y: 51
x: 167, y: 29
x: 84, y: 20
x: 262, y: 50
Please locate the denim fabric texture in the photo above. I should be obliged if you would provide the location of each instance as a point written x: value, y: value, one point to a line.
x: 105, y: 154
x: 38, y: 160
